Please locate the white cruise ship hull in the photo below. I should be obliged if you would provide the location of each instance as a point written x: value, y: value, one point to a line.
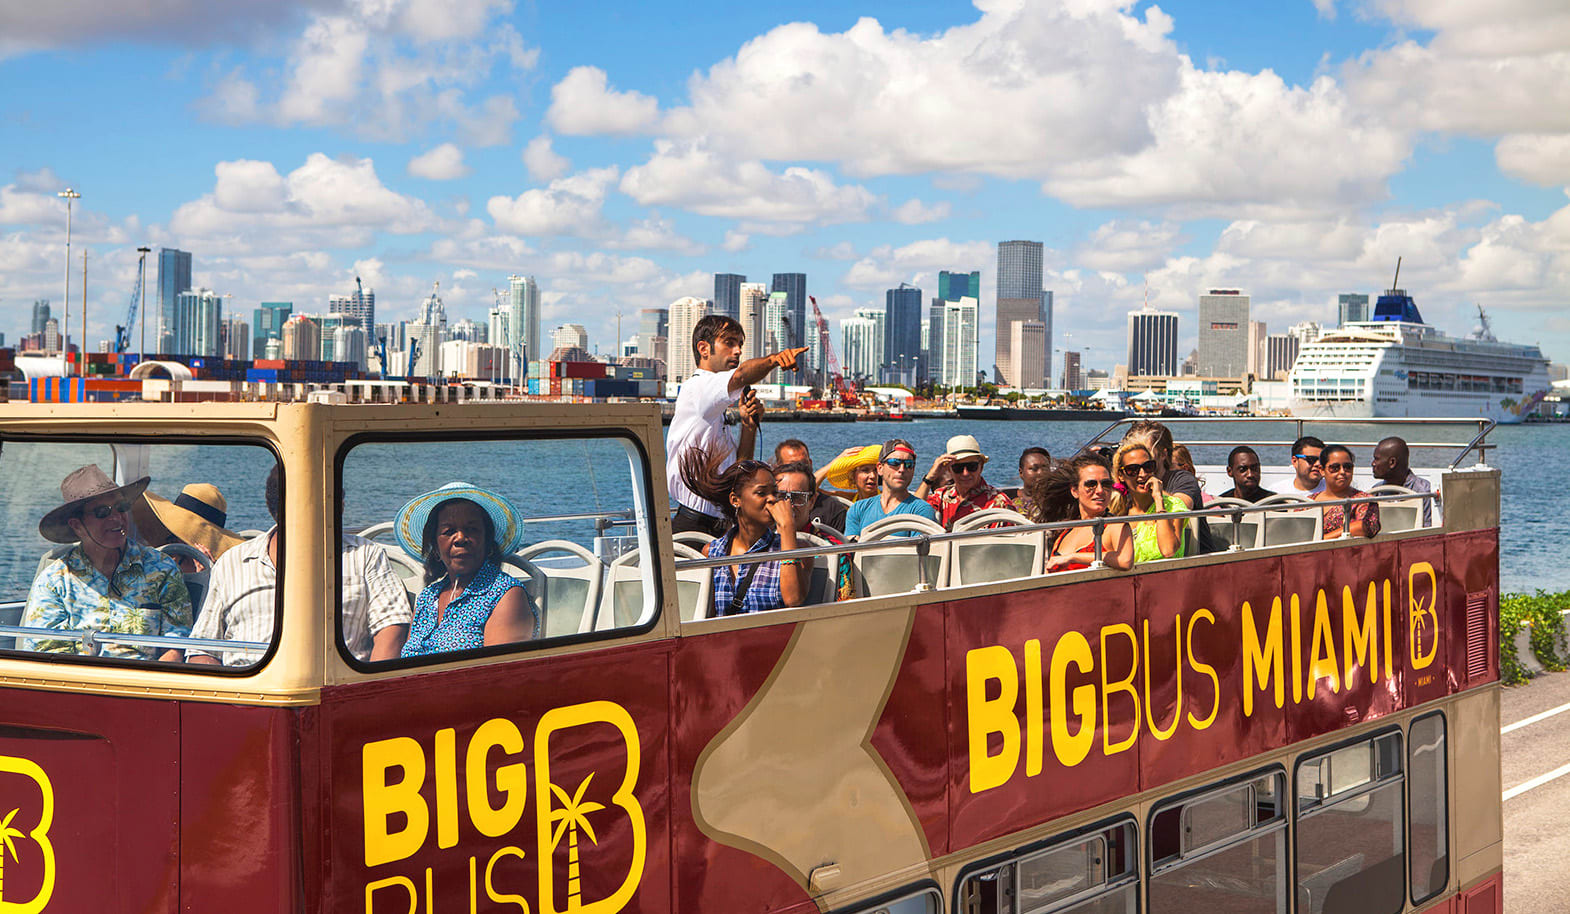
x: 1430, y: 405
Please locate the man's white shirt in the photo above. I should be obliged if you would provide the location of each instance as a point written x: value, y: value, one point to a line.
x: 699, y: 422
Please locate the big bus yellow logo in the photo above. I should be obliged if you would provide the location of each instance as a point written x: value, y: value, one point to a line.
x: 570, y: 817
x: 24, y: 846
x: 1423, y: 598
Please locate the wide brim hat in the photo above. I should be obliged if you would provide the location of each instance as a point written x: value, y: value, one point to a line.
x: 409, y: 527
x: 197, y: 517
x: 78, y: 488
x: 962, y: 446
x: 839, y: 471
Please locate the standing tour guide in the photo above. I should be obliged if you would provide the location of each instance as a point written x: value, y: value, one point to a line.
x: 699, y: 421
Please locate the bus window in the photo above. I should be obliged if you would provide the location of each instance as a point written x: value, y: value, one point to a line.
x: 502, y: 540
x: 1223, y: 850
x: 926, y: 901
x: 1087, y: 874
x: 1349, y: 839
x: 123, y: 552
x: 1427, y: 787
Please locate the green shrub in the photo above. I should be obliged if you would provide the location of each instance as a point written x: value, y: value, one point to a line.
x: 1544, y: 611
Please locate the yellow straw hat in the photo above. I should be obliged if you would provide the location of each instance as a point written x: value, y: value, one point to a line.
x: 838, y: 473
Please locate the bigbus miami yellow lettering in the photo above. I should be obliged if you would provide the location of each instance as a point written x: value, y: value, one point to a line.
x: 399, y: 821
x: 1068, y: 691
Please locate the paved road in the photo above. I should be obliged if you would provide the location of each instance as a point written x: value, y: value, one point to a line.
x: 1536, y: 777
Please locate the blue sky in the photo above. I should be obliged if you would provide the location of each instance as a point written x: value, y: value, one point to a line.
x: 622, y: 153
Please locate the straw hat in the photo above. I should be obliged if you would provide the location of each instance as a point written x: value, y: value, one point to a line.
x: 83, y: 485
x: 409, y: 526
x: 962, y: 446
x: 196, y: 517
x: 839, y: 471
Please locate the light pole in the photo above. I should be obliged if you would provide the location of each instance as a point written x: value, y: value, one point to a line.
x: 141, y: 285
x: 69, y: 194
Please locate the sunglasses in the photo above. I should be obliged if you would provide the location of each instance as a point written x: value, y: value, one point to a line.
x: 796, y: 498
x: 1094, y: 484
x: 1307, y: 459
x: 1134, y: 469
x: 969, y: 466
x: 900, y: 463
x: 103, y: 511
x: 1340, y: 467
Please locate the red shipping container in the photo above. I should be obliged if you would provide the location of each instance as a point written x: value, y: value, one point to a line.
x: 270, y: 363
x: 583, y: 369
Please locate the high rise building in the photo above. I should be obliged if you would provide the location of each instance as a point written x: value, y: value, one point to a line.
x: 1073, y: 371
x: 1258, y: 355
x: 752, y: 312
x: 51, y: 334
x: 268, y: 325
x: 859, y: 339
x: 194, y: 323
x: 794, y: 285
x: 1351, y: 306
x: 1280, y: 352
x: 958, y: 367
x: 361, y: 305
x: 1223, y: 334
x: 953, y: 286
x: 879, y: 317
x: 301, y: 338
x: 40, y: 315
x: 1025, y: 344
x: 930, y: 368
x: 570, y: 336
x: 777, y: 330
x: 467, y: 330
x: 499, y: 330
x: 684, y: 316
x: 349, y: 345
x: 654, y: 321
x: 1020, y: 297
x: 429, y: 339
x: 234, y: 338
x: 727, y: 294
x: 1152, y: 343
x: 902, y: 335
x: 524, y: 321
x: 174, y: 277
x: 1306, y: 332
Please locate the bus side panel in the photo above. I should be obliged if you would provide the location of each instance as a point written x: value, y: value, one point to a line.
x: 1472, y: 565
x: 1196, y: 691
x: 1432, y: 622
x: 240, y: 828
x: 449, y: 788
x: 1342, y: 678
x: 910, y: 735
x: 716, y: 676
x: 1012, y: 767
x: 89, y: 787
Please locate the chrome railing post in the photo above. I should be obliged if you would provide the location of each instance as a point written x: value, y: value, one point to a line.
x: 1095, y: 531
x: 1237, y: 532
x: 923, y: 549
x: 90, y: 645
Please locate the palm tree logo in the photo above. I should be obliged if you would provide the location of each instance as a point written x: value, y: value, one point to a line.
x: 7, y: 832
x: 573, y: 815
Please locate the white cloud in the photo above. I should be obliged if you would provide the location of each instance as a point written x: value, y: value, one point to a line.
x: 441, y: 163
x: 584, y: 104
x: 1326, y: 8
x: 567, y: 206
x: 887, y: 266
x: 654, y: 234
x: 542, y: 161
x: 34, y: 26
x: 696, y: 178
x: 1124, y: 246
x: 914, y: 212
x: 735, y: 242
x: 1539, y: 158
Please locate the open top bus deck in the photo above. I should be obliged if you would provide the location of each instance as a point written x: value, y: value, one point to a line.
x: 1311, y: 726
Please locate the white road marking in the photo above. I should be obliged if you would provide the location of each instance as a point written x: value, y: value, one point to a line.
x: 1538, y: 781
x: 1534, y: 719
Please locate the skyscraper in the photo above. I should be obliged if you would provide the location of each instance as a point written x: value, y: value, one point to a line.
x: 727, y: 294
x: 1152, y: 343
x: 349, y: 345
x: 40, y: 315
x: 174, y: 277
x: 1351, y: 306
x: 1073, y: 372
x: 777, y: 332
x: 1280, y: 352
x: 684, y: 316
x: 1223, y: 334
x: 1026, y: 339
x: 958, y: 367
x: 301, y: 338
x: 1020, y: 298
x: 570, y: 336
x: 361, y: 304
x: 859, y: 347
x: 524, y: 321
x: 234, y: 338
x: 1257, y: 353
x: 794, y: 285
x: 954, y: 286
x: 268, y: 325
x: 901, y: 335
x: 194, y: 323
x: 752, y: 313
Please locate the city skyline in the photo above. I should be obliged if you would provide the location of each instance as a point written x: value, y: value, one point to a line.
x: 288, y: 166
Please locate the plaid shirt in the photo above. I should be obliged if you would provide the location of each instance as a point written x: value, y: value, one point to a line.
x: 763, y: 594
x: 71, y: 594
x: 952, y: 507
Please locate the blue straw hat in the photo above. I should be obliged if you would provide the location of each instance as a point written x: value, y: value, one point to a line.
x: 410, y: 524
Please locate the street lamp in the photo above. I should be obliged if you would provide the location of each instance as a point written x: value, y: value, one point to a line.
x: 69, y: 194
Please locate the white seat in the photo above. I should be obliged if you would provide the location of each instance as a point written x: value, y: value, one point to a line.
x: 375, y: 531
x: 622, y: 601
x: 1286, y: 526
x: 1395, y: 516
x: 999, y: 555
x: 1248, y: 532
x: 891, y: 570
x: 842, y: 500
x: 407, y: 568
x: 693, y: 539
x: 565, y: 594
x: 824, y: 531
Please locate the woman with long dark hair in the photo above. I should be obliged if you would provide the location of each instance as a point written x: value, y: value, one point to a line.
x: 467, y: 601
x: 760, y: 521
x: 1362, y: 520
x: 1081, y: 489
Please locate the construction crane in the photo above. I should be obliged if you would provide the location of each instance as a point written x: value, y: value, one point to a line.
x: 122, y: 335
x: 842, y: 388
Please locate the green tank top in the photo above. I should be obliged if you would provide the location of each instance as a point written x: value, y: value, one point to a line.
x: 1146, y: 549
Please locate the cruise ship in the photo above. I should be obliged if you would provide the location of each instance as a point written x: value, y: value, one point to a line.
x: 1397, y: 366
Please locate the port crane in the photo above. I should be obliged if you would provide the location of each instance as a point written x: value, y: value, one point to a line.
x: 844, y: 392
x: 122, y: 335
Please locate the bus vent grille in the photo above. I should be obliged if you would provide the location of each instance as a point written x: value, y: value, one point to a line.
x: 1476, y: 636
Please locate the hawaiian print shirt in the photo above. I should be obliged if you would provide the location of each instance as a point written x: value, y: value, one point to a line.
x: 763, y: 594
x: 1028, y: 507
x: 146, y: 595
x: 952, y: 507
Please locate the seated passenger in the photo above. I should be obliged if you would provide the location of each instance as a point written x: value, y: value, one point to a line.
x: 196, y: 518
x: 896, y: 467
x: 468, y: 602
x: 1339, y: 465
x: 1308, y: 473
x: 1391, y: 468
x: 106, y: 582
x: 760, y: 521
x: 1081, y: 489
x: 1034, y: 464
x: 1153, y: 539
x: 1243, y: 468
x: 1183, y: 461
x: 854, y: 473
x: 242, y: 595
x: 969, y: 492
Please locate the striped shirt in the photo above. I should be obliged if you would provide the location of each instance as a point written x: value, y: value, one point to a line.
x: 240, y: 603
x: 145, y: 595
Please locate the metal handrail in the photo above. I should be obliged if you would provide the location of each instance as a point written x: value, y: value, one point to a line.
x: 92, y: 638
x: 1477, y: 443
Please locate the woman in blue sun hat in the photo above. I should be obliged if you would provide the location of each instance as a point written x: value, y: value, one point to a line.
x: 461, y: 531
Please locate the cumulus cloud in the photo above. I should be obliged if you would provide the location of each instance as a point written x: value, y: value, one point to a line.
x: 1536, y: 157
x: 542, y: 161
x: 584, y: 104
x: 566, y: 206
x: 915, y: 212
x: 34, y: 26
x: 735, y: 242
x: 887, y: 266
x: 441, y: 163
x: 1123, y: 246
x: 697, y: 178
x: 654, y: 234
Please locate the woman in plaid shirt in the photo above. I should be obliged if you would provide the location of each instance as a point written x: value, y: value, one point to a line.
x: 760, y: 521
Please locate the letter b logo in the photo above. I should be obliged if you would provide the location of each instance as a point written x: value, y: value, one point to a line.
x: 25, y: 851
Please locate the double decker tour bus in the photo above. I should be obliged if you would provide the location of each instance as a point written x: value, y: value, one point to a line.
x: 1293, y: 725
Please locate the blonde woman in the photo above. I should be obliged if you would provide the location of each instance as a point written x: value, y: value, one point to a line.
x: 1136, y: 468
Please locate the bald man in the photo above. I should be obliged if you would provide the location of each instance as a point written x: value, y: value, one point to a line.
x: 1391, y: 466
